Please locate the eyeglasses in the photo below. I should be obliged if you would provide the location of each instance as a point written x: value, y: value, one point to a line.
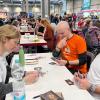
x: 17, y: 42
x: 61, y: 32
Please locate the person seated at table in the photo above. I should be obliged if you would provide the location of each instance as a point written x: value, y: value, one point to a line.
x: 9, y: 39
x: 41, y: 30
x: 15, y: 23
x: 49, y: 34
x: 92, y: 81
x: 71, y: 48
x: 37, y: 23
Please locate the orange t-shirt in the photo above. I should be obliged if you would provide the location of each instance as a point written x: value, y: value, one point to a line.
x: 74, y: 46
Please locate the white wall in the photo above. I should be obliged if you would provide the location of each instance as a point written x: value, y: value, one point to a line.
x: 77, y: 5
x: 69, y: 6
x: 12, y: 8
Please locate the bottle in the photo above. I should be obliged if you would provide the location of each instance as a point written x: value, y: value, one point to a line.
x: 21, y: 56
x: 17, y: 72
x: 19, y: 90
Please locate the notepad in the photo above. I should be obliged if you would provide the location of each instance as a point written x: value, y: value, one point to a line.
x: 31, y: 62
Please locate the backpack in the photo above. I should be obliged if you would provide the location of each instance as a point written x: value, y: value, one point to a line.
x: 91, y: 37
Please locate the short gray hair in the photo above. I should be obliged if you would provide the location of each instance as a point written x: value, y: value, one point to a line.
x: 63, y: 25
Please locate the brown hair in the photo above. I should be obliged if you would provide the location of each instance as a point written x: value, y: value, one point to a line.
x: 9, y: 32
x: 87, y: 23
x: 15, y: 23
x: 45, y: 23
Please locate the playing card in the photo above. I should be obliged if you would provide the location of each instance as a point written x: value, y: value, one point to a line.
x: 52, y: 63
x: 53, y: 58
x: 69, y: 82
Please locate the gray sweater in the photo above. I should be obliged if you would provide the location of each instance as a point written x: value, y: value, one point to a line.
x: 5, y: 88
x: 4, y: 76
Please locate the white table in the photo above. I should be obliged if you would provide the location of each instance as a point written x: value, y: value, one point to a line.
x: 54, y: 80
x: 32, y: 40
x: 23, y: 33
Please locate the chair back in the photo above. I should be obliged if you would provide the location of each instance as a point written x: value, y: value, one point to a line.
x: 90, y: 58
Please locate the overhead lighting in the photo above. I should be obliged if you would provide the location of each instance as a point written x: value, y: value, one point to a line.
x: 35, y: 9
x: 6, y: 9
x: 59, y: 1
x: 1, y: 1
x: 18, y: 9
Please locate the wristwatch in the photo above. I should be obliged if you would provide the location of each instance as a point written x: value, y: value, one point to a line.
x: 92, y: 88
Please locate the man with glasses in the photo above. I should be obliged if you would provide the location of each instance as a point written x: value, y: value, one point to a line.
x: 71, y: 49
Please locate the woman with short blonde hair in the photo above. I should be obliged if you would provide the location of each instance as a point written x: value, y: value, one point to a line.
x: 9, y: 39
x: 9, y: 31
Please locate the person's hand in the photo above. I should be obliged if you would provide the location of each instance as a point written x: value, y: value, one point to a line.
x: 61, y: 62
x: 40, y: 33
x: 31, y: 77
x: 29, y: 72
x: 98, y: 37
x: 82, y: 83
x: 80, y: 75
x: 61, y: 43
x: 76, y: 77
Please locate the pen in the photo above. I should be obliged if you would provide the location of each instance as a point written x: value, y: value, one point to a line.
x: 32, y: 59
x: 36, y: 96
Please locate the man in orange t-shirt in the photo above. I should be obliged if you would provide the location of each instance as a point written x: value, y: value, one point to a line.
x: 71, y: 49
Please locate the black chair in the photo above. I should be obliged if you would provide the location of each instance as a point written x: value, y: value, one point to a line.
x: 90, y: 58
x: 10, y: 56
